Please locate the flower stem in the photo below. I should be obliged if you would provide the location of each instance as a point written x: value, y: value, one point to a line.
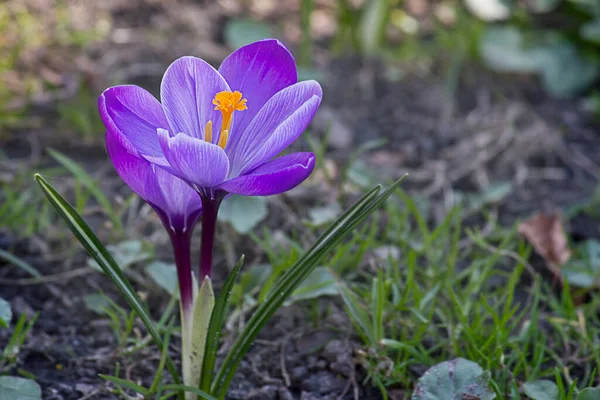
x: 210, y: 209
x: 181, y: 241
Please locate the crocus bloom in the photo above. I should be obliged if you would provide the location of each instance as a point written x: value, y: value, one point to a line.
x: 178, y: 207
x: 220, y: 130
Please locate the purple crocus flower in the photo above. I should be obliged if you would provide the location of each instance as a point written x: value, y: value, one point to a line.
x: 219, y: 131
x: 177, y: 205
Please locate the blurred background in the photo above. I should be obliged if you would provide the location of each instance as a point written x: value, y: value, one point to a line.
x: 493, y: 105
x: 435, y: 88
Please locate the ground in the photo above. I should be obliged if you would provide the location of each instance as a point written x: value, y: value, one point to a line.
x: 498, y: 140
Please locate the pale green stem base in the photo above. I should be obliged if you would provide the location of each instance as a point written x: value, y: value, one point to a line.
x: 194, y: 330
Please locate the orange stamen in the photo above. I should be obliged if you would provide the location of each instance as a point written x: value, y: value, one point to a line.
x: 208, y: 132
x: 227, y: 102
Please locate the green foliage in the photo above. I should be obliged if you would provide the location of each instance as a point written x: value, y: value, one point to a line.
x: 240, y: 32
x: 567, y: 62
x: 292, y: 278
x: 243, y: 213
x: 5, y: 313
x: 165, y: 276
x: 25, y: 30
x: 456, y: 379
x: 100, y: 254
x: 16, y: 388
x: 79, y: 116
x: 583, y: 269
x: 16, y: 340
x: 541, y: 390
x: 589, y: 394
x: 440, y: 304
x: 120, y: 321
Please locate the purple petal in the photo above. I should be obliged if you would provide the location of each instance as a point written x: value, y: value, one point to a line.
x: 199, y: 163
x: 134, y: 113
x: 187, y: 90
x: 277, y: 125
x: 174, y: 200
x: 258, y: 71
x: 274, y: 177
x: 180, y: 199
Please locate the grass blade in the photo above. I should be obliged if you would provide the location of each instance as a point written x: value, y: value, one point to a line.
x: 98, y: 252
x: 214, y: 328
x: 89, y: 182
x: 17, y: 262
x: 293, y: 277
x: 124, y: 383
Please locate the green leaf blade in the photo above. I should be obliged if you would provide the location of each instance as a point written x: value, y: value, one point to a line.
x: 100, y: 254
x: 293, y: 277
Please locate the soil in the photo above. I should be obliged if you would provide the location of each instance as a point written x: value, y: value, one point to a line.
x: 490, y: 129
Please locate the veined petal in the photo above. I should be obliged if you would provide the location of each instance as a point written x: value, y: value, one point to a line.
x: 173, y: 199
x: 274, y: 177
x: 134, y: 113
x: 180, y: 198
x: 257, y: 70
x: 277, y: 125
x: 187, y: 90
x: 196, y: 161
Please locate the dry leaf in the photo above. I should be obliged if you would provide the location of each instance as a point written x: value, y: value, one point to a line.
x: 547, y: 236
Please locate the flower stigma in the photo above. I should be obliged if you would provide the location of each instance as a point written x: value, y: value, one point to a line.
x: 226, y: 102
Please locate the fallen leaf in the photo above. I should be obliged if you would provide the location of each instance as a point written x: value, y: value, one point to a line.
x: 546, y: 234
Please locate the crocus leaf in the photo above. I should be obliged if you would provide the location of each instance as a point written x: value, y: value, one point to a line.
x: 240, y: 32
x: 293, y: 277
x: 541, y: 390
x: 5, y: 313
x: 216, y: 324
x: 16, y: 388
x: 455, y: 379
x: 96, y: 249
x: 244, y: 213
x: 589, y: 394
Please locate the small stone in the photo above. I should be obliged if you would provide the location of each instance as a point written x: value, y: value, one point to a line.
x: 268, y: 392
x: 321, y: 364
x: 312, y: 342
x: 20, y: 306
x: 339, y: 354
x: 323, y: 382
x: 84, y: 388
x: 385, y: 253
x: 285, y: 394
x: 311, y: 362
x: 298, y: 373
